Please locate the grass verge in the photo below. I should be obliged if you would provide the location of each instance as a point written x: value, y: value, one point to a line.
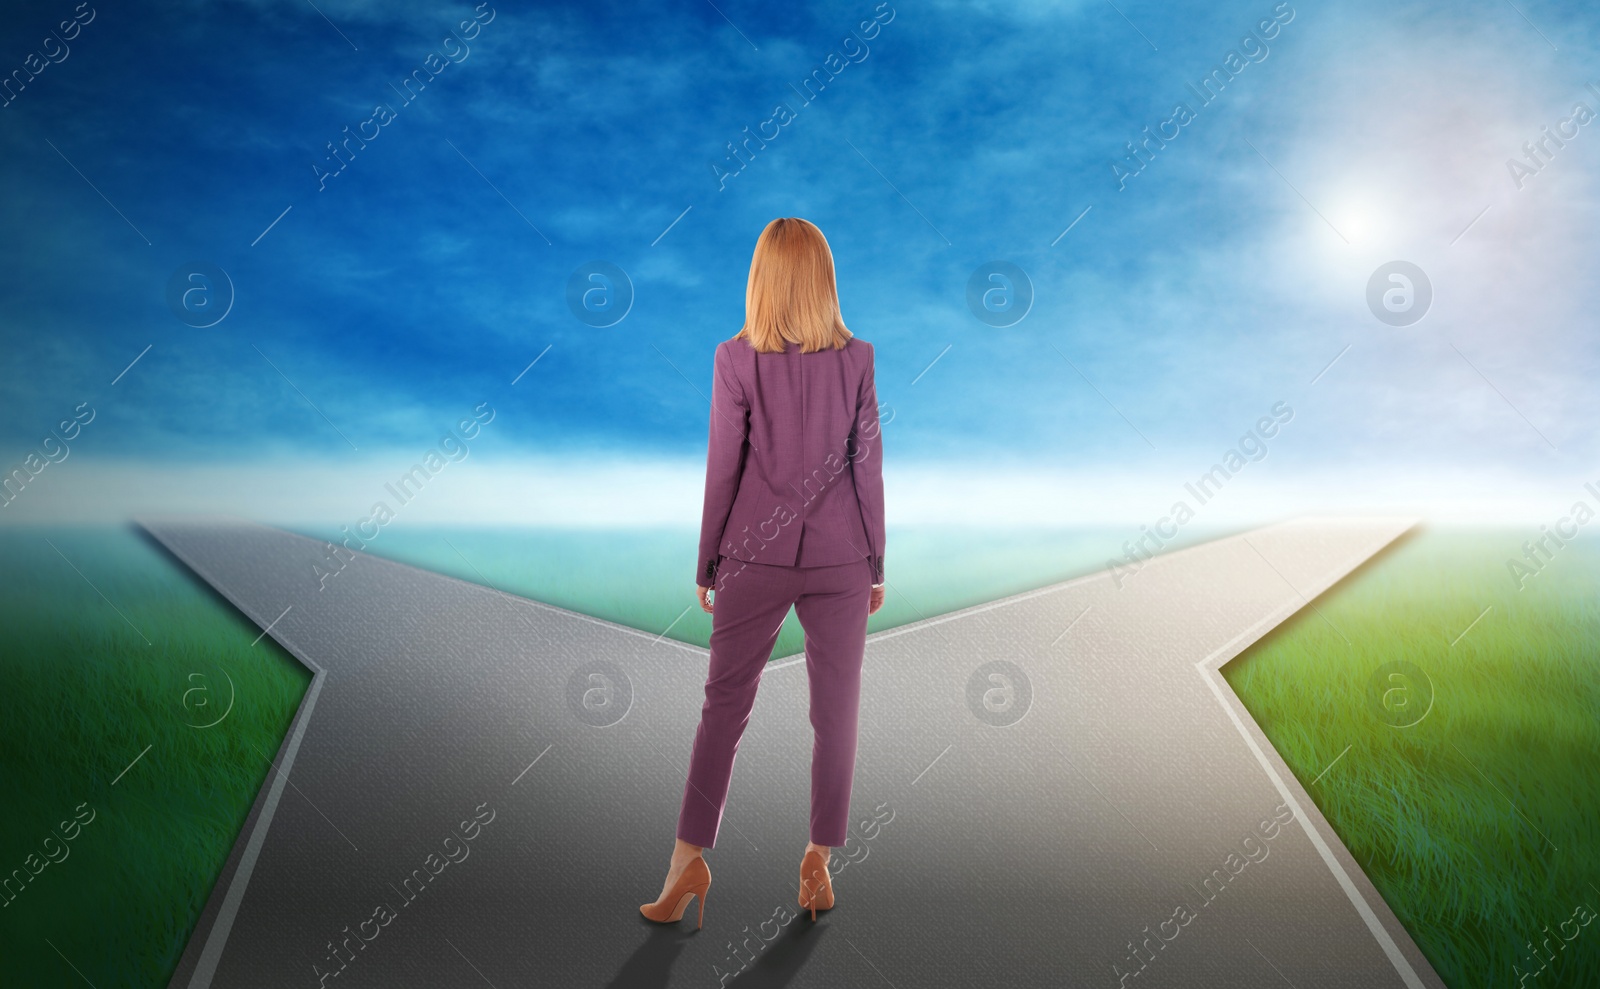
x: 1480, y: 823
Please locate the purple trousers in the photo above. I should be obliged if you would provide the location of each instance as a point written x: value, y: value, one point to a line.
x: 748, y: 608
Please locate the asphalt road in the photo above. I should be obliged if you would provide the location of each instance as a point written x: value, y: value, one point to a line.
x: 1053, y: 789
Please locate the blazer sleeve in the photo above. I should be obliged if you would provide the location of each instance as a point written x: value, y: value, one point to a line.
x: 725, y: 453
x: 866, y: 465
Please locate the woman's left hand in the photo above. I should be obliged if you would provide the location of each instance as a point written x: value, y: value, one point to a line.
x: 705, y: 600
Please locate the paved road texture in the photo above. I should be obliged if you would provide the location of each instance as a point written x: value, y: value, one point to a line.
x: 1057, y: 788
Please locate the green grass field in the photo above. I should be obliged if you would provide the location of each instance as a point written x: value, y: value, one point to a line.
x: 1480, y: 823
x: 1427, y: 809
x: 89, y: 685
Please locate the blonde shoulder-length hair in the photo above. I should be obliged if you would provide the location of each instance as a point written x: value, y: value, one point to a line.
x: 791, y: 296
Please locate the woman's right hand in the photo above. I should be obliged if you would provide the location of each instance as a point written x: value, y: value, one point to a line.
x: 705, y: 601
x: 876, y: 601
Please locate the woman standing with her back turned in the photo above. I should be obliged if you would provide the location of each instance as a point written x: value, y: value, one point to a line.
x: 793, y: 516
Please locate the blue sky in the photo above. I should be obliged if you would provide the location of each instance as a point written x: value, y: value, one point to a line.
x: 421, y: 279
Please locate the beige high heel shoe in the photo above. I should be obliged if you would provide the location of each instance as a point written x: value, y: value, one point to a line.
x: 692, y: 882
x: 816, y: 886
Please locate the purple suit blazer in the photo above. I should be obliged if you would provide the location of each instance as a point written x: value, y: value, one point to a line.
x: 794, y: 469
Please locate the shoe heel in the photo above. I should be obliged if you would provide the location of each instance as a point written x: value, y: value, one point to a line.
x: 814, y: 882
x: 693, y: 883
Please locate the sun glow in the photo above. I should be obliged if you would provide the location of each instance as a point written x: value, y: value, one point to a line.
x: 1360, y: 220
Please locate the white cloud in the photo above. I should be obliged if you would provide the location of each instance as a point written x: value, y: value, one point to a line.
x: 587, y: 492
